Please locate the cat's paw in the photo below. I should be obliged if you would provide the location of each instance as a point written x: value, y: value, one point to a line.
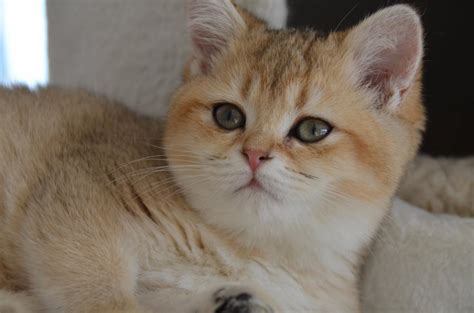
x: 238, y: 300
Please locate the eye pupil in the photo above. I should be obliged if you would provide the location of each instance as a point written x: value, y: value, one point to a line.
x: 228, y: 116
x: 232, y: 116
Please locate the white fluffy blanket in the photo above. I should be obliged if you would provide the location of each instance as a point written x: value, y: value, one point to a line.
x: 421, y: 263
x: 440, y: 185
x: 134, y: 51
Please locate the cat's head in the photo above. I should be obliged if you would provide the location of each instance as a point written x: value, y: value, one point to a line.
x: 273, y: 129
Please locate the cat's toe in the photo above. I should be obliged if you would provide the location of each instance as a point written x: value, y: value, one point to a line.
x: 236, y: 300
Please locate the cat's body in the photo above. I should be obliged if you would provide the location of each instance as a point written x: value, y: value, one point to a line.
x: 280, y: 157
x: 82, y: 191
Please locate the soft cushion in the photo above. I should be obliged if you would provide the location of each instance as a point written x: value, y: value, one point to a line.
x: 421, y: 263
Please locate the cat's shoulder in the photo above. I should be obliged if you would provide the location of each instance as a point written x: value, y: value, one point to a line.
x: 57, y: 103
x: 54, y: 97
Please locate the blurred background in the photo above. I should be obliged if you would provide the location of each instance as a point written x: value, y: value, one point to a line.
x: 23, y: 42
x: 449, y: 61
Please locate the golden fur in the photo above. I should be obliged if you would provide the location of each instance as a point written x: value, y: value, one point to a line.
x: 101, y: 213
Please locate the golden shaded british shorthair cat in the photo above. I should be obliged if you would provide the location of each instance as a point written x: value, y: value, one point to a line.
x: 278, y: 161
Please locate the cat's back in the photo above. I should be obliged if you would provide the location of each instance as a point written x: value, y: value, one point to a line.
x: 29, y: 119
x: 36, y: 116
x: 45, y: 120
x: 51, y: 133
x: 69, y: 159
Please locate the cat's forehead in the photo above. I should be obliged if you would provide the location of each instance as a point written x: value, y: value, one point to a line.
x: 281, y: 55
x: 284, y: 68
x: 278, y: 61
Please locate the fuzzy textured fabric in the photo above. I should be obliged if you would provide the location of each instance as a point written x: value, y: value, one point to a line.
x: 134, y: 51
x: 440, y: 185
x: 421, y: 263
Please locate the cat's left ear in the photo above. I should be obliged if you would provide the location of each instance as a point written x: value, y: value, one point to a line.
x: 386, y: 53
x: 212, y: 26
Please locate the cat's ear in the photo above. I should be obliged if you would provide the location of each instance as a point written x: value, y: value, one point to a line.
x: 212, y: 25
x: 386, y: 53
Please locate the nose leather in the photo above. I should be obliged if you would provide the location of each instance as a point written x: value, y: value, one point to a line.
x: 255, y: 158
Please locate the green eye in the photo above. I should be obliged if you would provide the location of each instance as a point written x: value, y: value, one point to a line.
x: 311, y: 130
x: 228, y: 116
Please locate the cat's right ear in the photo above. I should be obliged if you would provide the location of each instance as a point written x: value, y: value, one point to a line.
x: 212, y: 25
x: 387, y: 50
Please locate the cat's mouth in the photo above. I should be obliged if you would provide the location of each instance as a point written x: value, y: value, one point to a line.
x: 255, y: 185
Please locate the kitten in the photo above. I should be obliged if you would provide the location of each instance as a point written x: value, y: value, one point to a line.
x: 279, y: 159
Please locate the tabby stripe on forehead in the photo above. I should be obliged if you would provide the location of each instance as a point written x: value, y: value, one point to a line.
x: 307, y: 57
x: 262, y: 48
x: 277, y: 75
x: 303, y: 95
x: 244, y: 91
x: 308, y: 50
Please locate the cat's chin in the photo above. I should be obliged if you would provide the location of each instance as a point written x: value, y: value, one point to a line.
x: 250, y: 207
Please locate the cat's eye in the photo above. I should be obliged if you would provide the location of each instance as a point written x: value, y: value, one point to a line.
x: 228, y: 116
x: 311, y: 130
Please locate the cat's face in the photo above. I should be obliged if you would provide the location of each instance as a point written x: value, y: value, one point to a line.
x: 275, y: 128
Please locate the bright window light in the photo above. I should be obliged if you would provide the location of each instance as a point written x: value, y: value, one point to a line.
x: 25, y: 56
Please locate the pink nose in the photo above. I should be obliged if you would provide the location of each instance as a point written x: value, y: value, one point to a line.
x: 255, y: 158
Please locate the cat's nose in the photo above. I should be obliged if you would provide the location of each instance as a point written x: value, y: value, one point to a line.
x: 255, y: 158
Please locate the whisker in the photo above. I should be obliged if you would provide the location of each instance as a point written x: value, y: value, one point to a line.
x: 309, y: 176
x: 168, y: 149
x: 158, y: 183
x: 163, y: 170
x: 181, y: 191
x: 346, y: 16
x: 150, y: 158
x: 154, y: 170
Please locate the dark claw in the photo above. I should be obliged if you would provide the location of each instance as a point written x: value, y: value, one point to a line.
x: 244, y: 297
x: 237, y: 304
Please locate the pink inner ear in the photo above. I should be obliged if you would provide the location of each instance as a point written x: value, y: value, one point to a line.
x: 205, y: 49
x: 389, y: 50
x: 394, y: 68
x: 379, y: 80
x: 397, y: 64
